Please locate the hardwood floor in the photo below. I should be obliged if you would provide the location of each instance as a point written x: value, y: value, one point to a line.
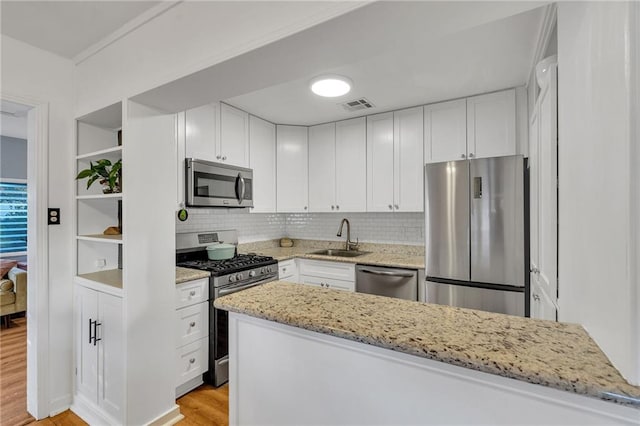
x: 205, y: 405
x: 13, y: 374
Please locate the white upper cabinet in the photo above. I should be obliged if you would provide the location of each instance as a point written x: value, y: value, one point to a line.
x: 292, y: 169
x: 395, y: 161
x: 262, y: 159
x: 202, y: 126
x: 445, y: 131
x: 408, y: 160
x: 322, y: 168
x: 491, y: 125
x: 234, y: 136
x: 380, y: 152
x: 351, y: 165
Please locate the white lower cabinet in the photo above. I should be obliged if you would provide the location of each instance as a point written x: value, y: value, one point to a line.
x: 99, y: 393
x: 192, y: 334
x: 288, y: 271
x: 341, y: 276
x: 541, y: 306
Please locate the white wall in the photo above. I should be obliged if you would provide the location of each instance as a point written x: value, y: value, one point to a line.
x: 597, y: 178
x: 187, y: 38
x: 33, y: 73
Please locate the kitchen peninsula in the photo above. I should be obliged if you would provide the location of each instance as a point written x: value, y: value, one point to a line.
x: 372, y: 360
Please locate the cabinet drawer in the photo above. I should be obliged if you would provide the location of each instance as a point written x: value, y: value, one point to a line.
x: 193, y: 323
x: 328, y: 283
x: 287, y: 269
x: 333, y: 270
x: 191, y: 361
x: 192, y: 292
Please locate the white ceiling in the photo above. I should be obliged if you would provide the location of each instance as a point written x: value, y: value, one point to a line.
x: 67, y: 28
x: 13, y: 119
x: 416, y: 64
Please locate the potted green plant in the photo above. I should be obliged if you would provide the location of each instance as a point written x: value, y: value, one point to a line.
x: 108, y: 175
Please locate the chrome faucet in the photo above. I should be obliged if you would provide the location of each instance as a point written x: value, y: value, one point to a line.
x: 348, y: 245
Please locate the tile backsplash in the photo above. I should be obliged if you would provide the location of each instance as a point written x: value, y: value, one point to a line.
x: 398, y: 228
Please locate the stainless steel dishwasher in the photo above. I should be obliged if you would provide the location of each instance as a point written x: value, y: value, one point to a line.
x: 391, y: 282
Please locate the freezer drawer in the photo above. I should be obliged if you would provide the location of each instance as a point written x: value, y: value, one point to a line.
x: 391, y: 282
x: 504, y: 302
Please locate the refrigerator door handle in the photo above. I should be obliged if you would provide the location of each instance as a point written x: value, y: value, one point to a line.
x: 477, y: 187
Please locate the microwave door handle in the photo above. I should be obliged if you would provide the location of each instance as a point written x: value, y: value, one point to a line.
x: 240, y: 193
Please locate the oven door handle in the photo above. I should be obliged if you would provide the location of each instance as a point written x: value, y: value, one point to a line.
x: 225, y: 291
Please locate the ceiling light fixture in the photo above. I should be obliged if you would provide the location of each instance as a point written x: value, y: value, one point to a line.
x: 331, y: 86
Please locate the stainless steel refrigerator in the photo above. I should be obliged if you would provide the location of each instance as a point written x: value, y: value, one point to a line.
x: 475, y: 234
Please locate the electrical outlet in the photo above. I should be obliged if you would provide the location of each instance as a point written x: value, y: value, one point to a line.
x: 54, y: 216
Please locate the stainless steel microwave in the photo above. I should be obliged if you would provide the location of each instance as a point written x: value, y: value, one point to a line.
x: 218, y: 185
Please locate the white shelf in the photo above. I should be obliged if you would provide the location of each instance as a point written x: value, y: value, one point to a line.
x: 108, y: 281
x: 99, y: 153
x: 100, y: 238
x: 98, y: 196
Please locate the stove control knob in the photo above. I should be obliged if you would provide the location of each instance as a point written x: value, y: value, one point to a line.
x: 239, y: 277
x: 252, y: 273
x: 262, y: 271
x: 232, y: 278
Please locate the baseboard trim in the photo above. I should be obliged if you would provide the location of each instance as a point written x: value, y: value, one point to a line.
x: 169, y: 418
x: 59, y: 405
x: 188, y: 386
x: 90, y: 413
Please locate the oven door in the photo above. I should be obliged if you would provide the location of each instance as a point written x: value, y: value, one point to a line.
x: 219, y: 334
x: 218, y: 185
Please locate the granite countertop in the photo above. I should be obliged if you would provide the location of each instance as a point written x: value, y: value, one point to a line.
x: 558, y: 355
x: 393, y: 255
x: 185, y: 274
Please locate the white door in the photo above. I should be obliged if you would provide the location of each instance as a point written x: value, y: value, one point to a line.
x: 351, y: 165
x: 234, y: 136
x: 111, y: 355
x: 201, y: 132
x: 292, y: 169
x: 86, y: 312
x: 548, y: 190
x: 491, y: 125
x: 380, y: 152
x: 322, y: 168
x: 262, y: 159
x: 408, y: 160
x: 445, y: 131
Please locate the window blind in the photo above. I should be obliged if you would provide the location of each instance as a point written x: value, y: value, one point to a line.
x: 13, y: 218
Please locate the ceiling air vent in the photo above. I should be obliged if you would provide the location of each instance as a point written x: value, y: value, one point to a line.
x: 357, y: 105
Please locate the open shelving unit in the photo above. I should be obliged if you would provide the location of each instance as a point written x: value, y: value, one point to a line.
x: 98, y: 255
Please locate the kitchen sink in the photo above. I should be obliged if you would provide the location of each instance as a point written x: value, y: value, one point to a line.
x: 340, y: 253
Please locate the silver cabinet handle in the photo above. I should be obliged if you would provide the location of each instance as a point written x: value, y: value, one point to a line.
x: 305, y: 207
x: 536, y: 297
x: 337, y: 207
x: 463, y: 156
x: 218, y: 157
x: 192, y: 324
x: 396, y: 206
x: 535, y: 271
x: 333, y: 207
x: 284, y: 270
x: 224, y: 158
x: 390, y: 207
x: 471, y: 155
x: 192, y: 360
x: 388, y: 273
x: 192, y: 293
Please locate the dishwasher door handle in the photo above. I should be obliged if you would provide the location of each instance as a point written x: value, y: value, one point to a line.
x: 388, y: 273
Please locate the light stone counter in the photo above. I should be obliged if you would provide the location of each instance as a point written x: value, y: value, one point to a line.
x: 185, y: 274
x: 393, y: 255
x: 558, y: 355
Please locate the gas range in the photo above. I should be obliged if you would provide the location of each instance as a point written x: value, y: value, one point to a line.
x: 243, y: 268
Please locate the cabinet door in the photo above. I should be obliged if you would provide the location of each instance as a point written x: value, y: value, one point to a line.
x: 262, y: 159
x: 234, y: 136
x: 292, y: 169
x: 322, y: 168
x: 201, y: 132
x: 548, y: 190
x: 380, y: 162
x: 491, y: 125
x: 408, y: 160
x: 327, y: 283
x: 445, y: 131
x: 86, y: 309
x: 541, y: 305
x: 111, y: 355
x: 351, y: 165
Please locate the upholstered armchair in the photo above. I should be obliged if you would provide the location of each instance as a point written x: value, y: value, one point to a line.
x: 13, y: 293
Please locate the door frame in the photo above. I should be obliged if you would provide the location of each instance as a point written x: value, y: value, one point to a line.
x: 37, y: 254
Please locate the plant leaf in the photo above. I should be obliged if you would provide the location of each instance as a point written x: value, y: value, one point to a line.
x: 84, y: 174
x: 91, y: 180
